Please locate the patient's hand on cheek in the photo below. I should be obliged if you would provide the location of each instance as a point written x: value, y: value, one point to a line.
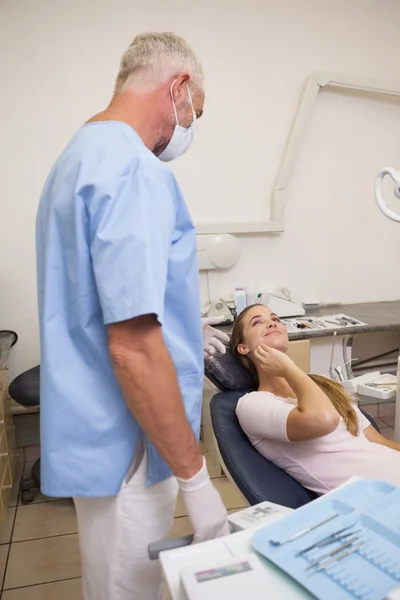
x: 272, y: 361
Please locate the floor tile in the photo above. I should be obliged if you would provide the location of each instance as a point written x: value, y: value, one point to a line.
x: 49, y: 519
x: 386, y: 409
x: 38, y: 496
x: 388, y: 433
x: 233, y: 511
x: 7, y: 525
x: 3, y: 560
x: 181, y: 527
x: 60, y: 590
x: 229, y: 494
x: 13, y: 498
x: 389, y: 421
x: 381, y: 422
x: 42, y: 561
x: 214, y: 468
x: 180, y: 509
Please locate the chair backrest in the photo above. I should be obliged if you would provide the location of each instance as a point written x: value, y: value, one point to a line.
x: 256, y: 477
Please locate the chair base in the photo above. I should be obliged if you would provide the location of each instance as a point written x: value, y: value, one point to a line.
x: 30, y: 483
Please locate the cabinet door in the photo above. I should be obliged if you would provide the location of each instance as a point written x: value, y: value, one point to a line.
x: 4, y: 454
x: 8, y: 450
x: 299, y: 352
x: 11, y: 444
x: 3, y: 390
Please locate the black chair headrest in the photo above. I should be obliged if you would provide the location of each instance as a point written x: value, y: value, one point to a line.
x: 226, y: 372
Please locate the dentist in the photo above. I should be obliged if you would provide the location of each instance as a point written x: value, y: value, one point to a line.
x: 122, y: 348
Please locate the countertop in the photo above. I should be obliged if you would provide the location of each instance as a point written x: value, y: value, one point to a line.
x: 378, y: 316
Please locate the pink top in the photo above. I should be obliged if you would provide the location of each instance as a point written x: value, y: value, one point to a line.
x: 320, y: 464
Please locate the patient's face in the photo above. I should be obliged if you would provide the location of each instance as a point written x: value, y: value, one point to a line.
x: 262, y: 326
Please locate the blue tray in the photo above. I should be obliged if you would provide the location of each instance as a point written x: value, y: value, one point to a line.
x: 371, y: 572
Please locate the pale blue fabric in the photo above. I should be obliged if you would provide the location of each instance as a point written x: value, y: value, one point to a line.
x: 114, y: 241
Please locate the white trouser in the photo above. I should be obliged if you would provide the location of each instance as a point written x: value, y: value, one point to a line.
x: 114, y: 533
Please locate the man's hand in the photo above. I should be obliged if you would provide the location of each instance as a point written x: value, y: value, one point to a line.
x: 213, y: 339
x: 206, y: 512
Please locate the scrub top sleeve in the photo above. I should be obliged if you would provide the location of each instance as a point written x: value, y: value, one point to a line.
x: 132, y: 219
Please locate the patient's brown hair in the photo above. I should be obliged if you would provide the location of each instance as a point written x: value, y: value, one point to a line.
x: 333, y: 390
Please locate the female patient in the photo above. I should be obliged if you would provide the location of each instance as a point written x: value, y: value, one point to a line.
x: 305, y: 424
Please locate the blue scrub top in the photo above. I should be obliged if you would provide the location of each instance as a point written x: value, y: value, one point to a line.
x: 114, y: 241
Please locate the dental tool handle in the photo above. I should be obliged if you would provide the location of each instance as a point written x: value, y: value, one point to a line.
x: 308, y: 529
x: 338, y: 371
x: 155, y: 548
x: 332, y: 352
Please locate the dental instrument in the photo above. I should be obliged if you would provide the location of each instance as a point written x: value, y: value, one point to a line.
x: 303, y: 531
x: 347, y: 544
x: 335, y: 559
x: 347, y: 343
x: 338, y: 371
x: 374, y: 569
x: 383, y: 385
x: 332, y: 351
x: 337, y: 536
x: 343, y: 375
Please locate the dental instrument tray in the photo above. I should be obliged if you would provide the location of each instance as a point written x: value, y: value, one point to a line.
x: 345, y: 546
x: 382, y: 387
x: 329, y: 322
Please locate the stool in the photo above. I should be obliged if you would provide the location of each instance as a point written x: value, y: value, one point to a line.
x: 25, y: 389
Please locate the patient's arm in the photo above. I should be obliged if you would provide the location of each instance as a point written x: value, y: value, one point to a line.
x: 264, y: 416
x: 374, y: 436
x: 315, y: 415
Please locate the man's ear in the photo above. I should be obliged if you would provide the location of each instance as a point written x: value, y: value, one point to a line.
x: 243, y: 349
x: 179, y: 86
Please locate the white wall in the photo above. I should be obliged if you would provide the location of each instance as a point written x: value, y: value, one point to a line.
x: 58, y: 61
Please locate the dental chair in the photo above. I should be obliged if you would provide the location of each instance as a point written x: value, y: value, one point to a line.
x: 257, y: 478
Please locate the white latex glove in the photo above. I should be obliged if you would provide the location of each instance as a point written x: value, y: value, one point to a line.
x: 204, y: 506
x: 213, y: 339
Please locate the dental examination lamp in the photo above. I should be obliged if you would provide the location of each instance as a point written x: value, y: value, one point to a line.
x: 395, y: 175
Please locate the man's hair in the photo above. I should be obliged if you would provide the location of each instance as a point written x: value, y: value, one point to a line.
x: 152, y: 58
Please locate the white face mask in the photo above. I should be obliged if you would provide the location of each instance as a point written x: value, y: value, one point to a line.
x: 182, y: 136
